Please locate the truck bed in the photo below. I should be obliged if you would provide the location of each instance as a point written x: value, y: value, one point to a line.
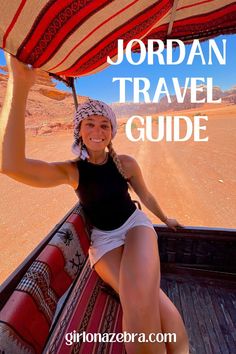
x: 207, y: 302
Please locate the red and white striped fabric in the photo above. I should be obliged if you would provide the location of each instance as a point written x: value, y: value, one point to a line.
x: 74, y: 37
x: 89, y: 310
x: 193, y: 19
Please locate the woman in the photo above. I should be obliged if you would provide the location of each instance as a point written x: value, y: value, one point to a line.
x: 124, y: 249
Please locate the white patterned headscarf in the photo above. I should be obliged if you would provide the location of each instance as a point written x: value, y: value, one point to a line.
x: 90, y: 108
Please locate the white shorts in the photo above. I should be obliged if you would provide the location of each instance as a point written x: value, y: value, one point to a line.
x: 105, y: 241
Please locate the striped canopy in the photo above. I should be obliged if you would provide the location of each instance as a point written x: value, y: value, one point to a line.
x: 74, y: 38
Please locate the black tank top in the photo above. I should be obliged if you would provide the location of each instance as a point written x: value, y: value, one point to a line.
x: 103, y: 194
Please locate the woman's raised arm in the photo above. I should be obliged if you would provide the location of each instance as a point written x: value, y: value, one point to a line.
x: 13, y: 161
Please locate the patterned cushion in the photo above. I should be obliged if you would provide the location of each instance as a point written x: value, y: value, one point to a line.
x: 11, y: 342
x: 33, y: 303
x: 89, y: 309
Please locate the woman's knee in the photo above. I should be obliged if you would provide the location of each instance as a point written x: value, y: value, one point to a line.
x: 138, y: 289
x: 136, y: 298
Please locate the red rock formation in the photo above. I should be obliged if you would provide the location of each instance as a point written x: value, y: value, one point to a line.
x: 48, y: 109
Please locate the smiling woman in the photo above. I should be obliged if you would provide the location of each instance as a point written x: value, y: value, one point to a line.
x: 95, y: 132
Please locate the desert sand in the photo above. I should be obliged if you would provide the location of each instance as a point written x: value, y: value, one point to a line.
x: 193, y: 182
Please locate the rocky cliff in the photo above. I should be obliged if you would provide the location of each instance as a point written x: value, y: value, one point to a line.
x: 128, y: 109
x: 48, y: 109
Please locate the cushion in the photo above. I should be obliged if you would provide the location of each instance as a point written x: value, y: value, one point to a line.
x: 26, y: 318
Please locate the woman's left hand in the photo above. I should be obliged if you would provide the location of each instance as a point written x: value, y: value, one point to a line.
x: 173, y: 224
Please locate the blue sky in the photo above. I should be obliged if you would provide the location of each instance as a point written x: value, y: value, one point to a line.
x: 100, y: 86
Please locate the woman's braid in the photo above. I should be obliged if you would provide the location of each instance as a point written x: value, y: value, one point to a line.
x: 80, y: 144
x: 116, y: 159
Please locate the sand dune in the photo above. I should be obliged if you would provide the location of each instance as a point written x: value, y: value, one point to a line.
x: 193, y: 182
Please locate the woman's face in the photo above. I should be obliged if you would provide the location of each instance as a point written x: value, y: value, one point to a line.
x: 96, y: 132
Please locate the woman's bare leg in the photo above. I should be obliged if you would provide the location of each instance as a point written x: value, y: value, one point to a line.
x: 171, y: 322
x: 108, y: 268
x: 139, y: 283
